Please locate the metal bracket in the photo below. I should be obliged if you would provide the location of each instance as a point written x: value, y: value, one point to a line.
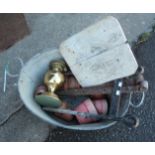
x: 115, y: 98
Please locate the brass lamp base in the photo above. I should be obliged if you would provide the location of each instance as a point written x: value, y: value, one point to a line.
x: 48, y: 99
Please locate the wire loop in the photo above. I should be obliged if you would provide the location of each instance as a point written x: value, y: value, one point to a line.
x: 139, y: 104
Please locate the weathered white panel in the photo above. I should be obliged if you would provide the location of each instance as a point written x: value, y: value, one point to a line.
x: 99, y: 53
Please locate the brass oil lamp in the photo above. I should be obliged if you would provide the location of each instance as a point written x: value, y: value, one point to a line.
x: 53, y: 79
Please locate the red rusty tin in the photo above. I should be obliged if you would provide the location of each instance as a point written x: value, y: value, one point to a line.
x: 86, y: 106
x: 70, y: 82
x: 101, y: 106
x: 94, y: 107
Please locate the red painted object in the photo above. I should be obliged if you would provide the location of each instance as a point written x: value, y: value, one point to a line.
x: 94, y: 107
x: 101, y: 106
x: 86, y: 106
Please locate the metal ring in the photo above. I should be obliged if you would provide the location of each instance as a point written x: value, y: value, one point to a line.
x: 139, y: 104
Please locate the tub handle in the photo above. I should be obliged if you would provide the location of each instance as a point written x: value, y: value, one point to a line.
x: 130, y: 121
x: 139, y: 104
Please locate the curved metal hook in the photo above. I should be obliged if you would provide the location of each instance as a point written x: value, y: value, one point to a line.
x: 131, y: 121
x: 139, y: 104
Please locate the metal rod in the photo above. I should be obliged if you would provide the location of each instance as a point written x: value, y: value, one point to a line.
x: 129, y: 120
x: 116, y: 98
x: 100, y: 90
x: 75, y: 113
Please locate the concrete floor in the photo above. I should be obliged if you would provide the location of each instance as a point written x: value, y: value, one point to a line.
x: 47, y: 32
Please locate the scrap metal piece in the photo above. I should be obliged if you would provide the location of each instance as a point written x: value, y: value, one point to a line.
x: 139, y: 104
x: 101, y: 90
x: 140, y: 70
x: 128, y: 120
x: 116, y: 98
x: 131, y: 121
x: 144, y: 85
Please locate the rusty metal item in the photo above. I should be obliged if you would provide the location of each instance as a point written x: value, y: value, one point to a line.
x: 140, y: 70
x: 103, y: 90
x: 97, y: 96
x: 70, y: 82
x: 144, y: 85
x: 116, y: 98
x: 139, y: 78
x: 128, y: 120
x: 86, y: 106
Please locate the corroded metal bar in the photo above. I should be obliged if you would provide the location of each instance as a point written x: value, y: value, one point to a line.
x: 103, y: 90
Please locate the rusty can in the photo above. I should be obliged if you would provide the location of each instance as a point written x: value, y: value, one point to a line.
x: 101, y: 106
x: 92, y: 106
x: 86, y: 106
x: 70, y: 82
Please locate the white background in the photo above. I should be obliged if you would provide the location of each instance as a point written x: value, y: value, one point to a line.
x: 78, y: 6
